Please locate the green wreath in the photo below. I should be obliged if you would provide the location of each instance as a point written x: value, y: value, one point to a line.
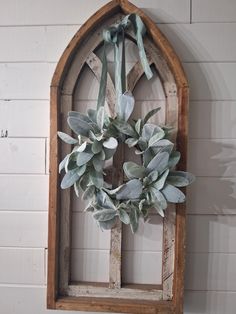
x: 150, y: 185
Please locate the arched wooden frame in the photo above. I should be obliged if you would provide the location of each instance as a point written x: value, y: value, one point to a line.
x: 61, y: 294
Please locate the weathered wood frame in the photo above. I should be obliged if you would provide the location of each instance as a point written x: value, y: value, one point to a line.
x: 61, y: 294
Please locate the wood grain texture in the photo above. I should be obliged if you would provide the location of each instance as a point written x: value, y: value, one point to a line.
x: 64, y: 81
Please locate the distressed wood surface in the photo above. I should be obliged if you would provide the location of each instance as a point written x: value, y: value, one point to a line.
x: 64, y: 81
x: 65, y: 213
x: 95, y: 65
x: 124, y: 293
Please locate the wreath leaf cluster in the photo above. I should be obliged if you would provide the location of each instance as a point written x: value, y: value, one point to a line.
x: 150, y: 185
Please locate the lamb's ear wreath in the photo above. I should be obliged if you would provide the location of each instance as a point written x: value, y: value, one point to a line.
x: 150, y: 185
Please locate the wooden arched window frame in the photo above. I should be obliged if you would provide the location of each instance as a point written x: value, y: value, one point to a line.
x: 61, y: 294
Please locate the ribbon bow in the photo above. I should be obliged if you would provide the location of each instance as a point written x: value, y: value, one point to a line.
x: 115, y: 35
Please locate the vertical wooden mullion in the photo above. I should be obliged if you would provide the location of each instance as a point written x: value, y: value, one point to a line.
x: 116, y: 232
x: 53, y: 214
x: 169, y: 221
x: 65, y: 206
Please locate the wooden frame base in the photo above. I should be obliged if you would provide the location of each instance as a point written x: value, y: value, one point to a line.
x: 61, y: 293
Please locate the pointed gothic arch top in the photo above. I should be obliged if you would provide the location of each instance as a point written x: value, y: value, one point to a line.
x: 80, y: 51
x: 116, y: 6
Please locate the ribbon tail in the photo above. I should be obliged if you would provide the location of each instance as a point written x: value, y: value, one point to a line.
x: 103, y: 81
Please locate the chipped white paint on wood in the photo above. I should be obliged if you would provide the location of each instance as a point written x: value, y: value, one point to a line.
x: 123, y: 293
x: 168, y: 252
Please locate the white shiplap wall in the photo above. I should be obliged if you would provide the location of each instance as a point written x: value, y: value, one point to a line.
x: 33, y: 36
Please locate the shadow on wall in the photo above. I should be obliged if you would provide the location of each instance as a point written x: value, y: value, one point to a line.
x: 212, y: 161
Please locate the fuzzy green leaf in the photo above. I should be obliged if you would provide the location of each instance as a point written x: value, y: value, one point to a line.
x: 104, y: 215
x: 160, y: 183
x: 124, y: 217
x: 96, y: 146
x: 107, y: 225
x: 186, y: 175
x: 150, y: 114
x: 110, y: 143
x: 132, y: 170
x: 88, y: 193
x: 84, y: 181
x: 63, y: 163
x: 158, y: 198
x: 130, y: 190
x: 159, y: 162
x: 96, y: 178
x: 98, y: 163
x: 125, y: 128
x: 156, y: 138
x: 81, y: 170
x: 174, y: 159
x: 82, y: 147
x: 131, y: 142
x: 92, y: 114
x: 79, y: 115
x: 138, y: 126
x: 79, y: 126
x: 67, y: 138
x: 172, y: 194
x: 69, y: 178
x: 83, y: 158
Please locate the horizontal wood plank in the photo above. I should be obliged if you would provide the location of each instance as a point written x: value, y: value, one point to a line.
x: 44, y: 13
x: 211, y: 233
x: 22, y: 155
x: 212, y: 158
x: 208, y: 81
x: 35, y: 43
x: 149, y: 236
x: 30, y: 80
x: 23, y: 229
x: 90, y: 265
x: 35, y: 115
x: 141, y: 267
x: 200, y: 42
x: 213, y: 11
x: 210, y: 271
x: 212, y: 195
x: 22, y: 266
x: 26, y: 300
x: 211, y: 81
x: 87, y: 234
x: 209, y: 302
x: 212, y: 119
x: 30, y: 192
